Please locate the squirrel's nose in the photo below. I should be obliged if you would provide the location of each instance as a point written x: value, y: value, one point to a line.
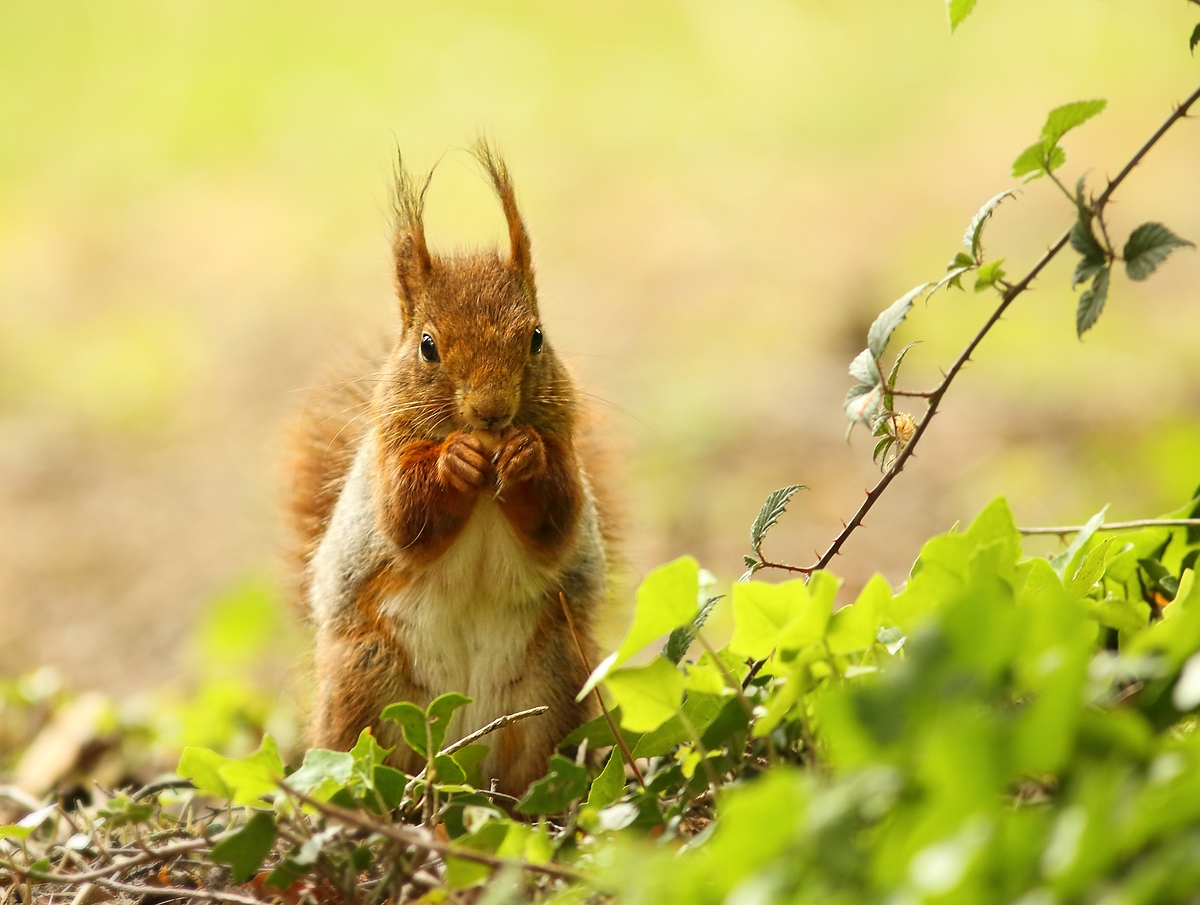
x: 491, y: 413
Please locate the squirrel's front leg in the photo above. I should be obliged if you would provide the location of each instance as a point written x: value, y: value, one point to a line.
x: 540, y: 492
x: 427, y: 490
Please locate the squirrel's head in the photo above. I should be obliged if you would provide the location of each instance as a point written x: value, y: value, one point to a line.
x: 472, y: 353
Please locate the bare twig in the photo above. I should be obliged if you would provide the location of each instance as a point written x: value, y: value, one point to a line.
x: 1120, y: 526
x: 117, y: 867
x: 182, y: 892
x: 412, y: 838
x: 498, y: 723
x: 938, y: 392
x: 612, y: 725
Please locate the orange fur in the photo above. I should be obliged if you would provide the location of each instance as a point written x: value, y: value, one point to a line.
x: 434, y: 535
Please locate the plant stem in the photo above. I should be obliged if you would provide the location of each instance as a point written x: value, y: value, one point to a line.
x: 1119, y: 526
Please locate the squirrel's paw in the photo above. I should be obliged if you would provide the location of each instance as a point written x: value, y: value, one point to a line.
x: 522, y: 456
x: 463, y: 463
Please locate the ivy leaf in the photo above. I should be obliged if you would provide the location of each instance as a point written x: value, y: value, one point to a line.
x: 989, y: 274
x: 1148, y: 246
x: 553, y: 793
x: 649, y: 695
x: 1084, y: 241
x: 666, y: 599
x: 958, y: 10
x: 412, y: 724
x: 770, y: 512
x: 610, y: 784
x: 322, y: 773
x: 1062, y: 120
x: 202, y: 766
x: 1091, y: 303
x: 440, y: 710
x: 884, y: 326
x: 973, y: 237
x: 245, y: 850
x: 253, y: 777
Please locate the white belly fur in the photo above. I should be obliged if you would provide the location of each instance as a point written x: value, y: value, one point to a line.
x: 467, y: 619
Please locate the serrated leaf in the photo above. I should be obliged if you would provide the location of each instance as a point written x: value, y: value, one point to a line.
x: 989, y: 274
x: 681, y: 638
x: 881, y: 447
x: 564, y: 782
x: 1091, y: 303
x: 862, y: 402
x: 884, y: 326
x: 1062, y: 120
x: 895, y: 373
x: 1148, y: 246
x: 1084, y: 241
x: 1034, y: 161
x: 775, y: 505
x: 649, y: 695
x: 864, y: 368
x: 245, y: 850
x: 973, y: 237
x: 958, y: 10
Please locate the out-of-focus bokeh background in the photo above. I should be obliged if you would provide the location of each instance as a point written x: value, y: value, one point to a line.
x: 194, y: 218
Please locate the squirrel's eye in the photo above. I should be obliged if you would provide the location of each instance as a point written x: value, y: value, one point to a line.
x: 429, y: 350
x: 535, y: 344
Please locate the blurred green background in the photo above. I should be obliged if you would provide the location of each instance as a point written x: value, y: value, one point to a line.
x: 194, y: 218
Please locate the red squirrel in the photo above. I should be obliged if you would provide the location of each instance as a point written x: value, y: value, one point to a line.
x: 440, y: 517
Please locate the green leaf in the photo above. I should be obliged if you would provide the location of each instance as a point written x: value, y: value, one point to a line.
x: 322, y: 773
x: 202, y: 767
x: 468, y: 758
x: 447, y: 771
x: 770, y: 512
x: 565, y: 782
x: 884, y: 326
x: 666, y: 599
x: 989, y: 274
x: 123, y: 811
x: 245, y: 850
x: 1084, y: 241
x: 441, y: 710
x: 958, y: 10
x: 1091, y: 303
x: 649, y: 695
x: 1195, y: 38
x: 973, y: 237
x: 862, y: 402
x: 412, y: 724
x: 1032, y: 162
x: 252, y: 778
x: 892, y: 377
x: 681, y: 638
x: 610, y: 784
x: 856, y: 627
x: 762, y: 611
x: 1060, y: 561
x: 1062, y: 120
x: 1091, y: 570
x: 1148, y: 246
x: 865, y: 369
x: 14, y: 831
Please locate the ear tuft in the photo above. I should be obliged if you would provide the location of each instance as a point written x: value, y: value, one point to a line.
x: 518, y: 238
x: 411, y: 255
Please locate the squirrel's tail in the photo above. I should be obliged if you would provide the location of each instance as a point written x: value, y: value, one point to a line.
x: 319, y: 449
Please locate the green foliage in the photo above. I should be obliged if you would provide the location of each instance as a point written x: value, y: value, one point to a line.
x: 1148, y: 246
x: 245, y: 850
x: 958, y: 10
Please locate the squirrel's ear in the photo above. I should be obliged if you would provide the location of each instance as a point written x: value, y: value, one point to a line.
x: 517, y: 237
x: 411, y: 254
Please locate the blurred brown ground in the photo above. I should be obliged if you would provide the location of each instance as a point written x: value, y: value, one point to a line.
x: 193, y: 219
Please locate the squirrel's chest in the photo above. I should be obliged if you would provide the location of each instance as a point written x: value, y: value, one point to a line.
x: 466, y: 619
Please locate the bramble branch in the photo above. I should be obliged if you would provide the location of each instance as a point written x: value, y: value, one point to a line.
x: 1120, y: 526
